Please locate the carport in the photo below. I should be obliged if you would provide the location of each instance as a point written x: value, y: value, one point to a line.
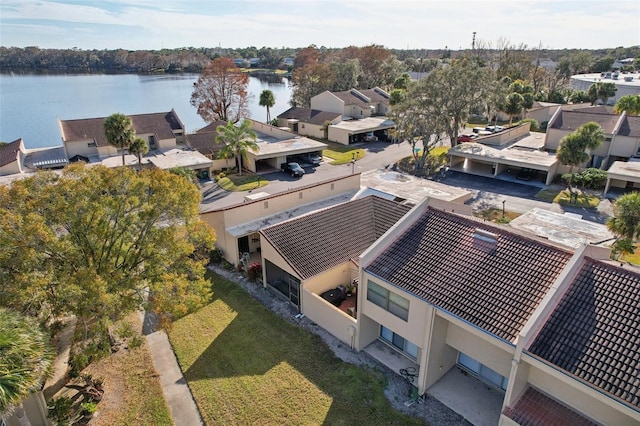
x: 623, y: 174
x: 346, y: 131
x: 478, y: 159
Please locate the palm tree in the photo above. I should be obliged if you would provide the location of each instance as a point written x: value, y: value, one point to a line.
x: 25, y: 361
x: 628, y: 103
x: 626, y: 221
x: 267, y: 99
x: 238, y: 140
x: 119, y: 131
x: 573, y: 147
x: 139, y: 147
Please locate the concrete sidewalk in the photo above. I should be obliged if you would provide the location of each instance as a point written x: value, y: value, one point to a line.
x: 174, y: 386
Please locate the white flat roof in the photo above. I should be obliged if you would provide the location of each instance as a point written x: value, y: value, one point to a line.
x: 364, y: 124
x: 289, y: 146
x: 595, y: 77
x: 540, y: 160
x: 568, y: 230
x: 411, y: 188
x: 180, y: 158
x: 623, y: 169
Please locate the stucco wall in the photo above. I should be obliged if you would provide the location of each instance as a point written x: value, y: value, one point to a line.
x: 441, y: 356
x: 35, y: 408
x: 82, y: 147
x: 480, y: 346
x: 625, y: 146
x: 338, y: 135
x: 339, y: 275
x: 329, y: 317
x: 326, y: 101
x: 586, y: 401
x: 10, y: 169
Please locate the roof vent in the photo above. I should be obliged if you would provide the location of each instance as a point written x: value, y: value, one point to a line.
x: 485, y: 240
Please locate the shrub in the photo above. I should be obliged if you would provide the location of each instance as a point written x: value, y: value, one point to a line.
x: 216, y: 256
x: 590, y: 178
x: 255, y: 271
x: 535, y: 127
x: 89, y: 407
x: 61, y: 410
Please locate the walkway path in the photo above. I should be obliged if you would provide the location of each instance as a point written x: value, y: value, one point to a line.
x: 174, y: 386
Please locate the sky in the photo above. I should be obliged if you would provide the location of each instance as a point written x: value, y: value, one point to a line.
x: 427, y: 24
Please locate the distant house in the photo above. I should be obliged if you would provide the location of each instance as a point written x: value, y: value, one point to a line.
x: 12, y: 157
x: 344, y: 117
x: 516, y: 149
x: 204, y: 141
x: 353, y: 103
x: 86, y: 137
x: 308, y: 122
x: 163, y: 132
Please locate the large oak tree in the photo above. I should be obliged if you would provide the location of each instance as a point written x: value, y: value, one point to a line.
x: 96, y: 242
x: 221, y: 92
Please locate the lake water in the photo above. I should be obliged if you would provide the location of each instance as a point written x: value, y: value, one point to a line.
x: 31, y: 104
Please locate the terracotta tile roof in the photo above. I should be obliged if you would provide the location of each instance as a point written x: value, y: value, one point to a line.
x: 571, y: 120
x: 483, y: 274
x: 371, y: 97
x: 9, y: 152
x: 204, y: 142
x: 594, y: 332
x: 212, y: 127
x: 161, y: 124
x: 307, y: 115
x: 318, y: 241
x: 536, y: 409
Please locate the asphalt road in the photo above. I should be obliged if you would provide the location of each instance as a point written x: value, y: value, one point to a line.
x: 487, y: 192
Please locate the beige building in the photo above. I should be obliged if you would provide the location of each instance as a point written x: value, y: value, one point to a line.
x: 308, y: 122
x: 353, y: 103
x: 237, y: 227
x: 86, y: 138
x: 626, y: 84
x: 518, y: 153
x: 551, y: 329
x: 12, y: 157
x: 311, y: 260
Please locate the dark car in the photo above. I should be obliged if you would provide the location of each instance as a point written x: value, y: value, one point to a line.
x: 293, y: 169
x: 526, y: 174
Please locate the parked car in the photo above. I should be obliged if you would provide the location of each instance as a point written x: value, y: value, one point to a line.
x: 526, y: 174
x: 466, y: 137
x: 293, y: 169
x: 313, y: 159
x: 494, y: 129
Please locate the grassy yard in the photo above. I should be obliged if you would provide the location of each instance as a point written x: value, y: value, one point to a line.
x: 584, y: 199
x: 133, y: 394
x: 246, y: 365
x: 341, y: 154
x: 245, y: 182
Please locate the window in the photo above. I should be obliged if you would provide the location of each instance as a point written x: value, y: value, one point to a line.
x: 266, y: 204
x: 482, y: 372
x: 399, y: 342
x: 387, y: 300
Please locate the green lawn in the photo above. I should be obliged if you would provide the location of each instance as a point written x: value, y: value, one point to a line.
x: 562, y: 197
x: 246, y: 365
x: 245, y: 182
x: 341, y: 154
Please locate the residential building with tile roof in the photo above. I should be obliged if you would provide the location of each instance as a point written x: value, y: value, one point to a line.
x: 308, y: 122
x: 540, y: 324
x: 353, y: 103
x: 85, y: 137
x: 11, y: 157
x: 310, y: 255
